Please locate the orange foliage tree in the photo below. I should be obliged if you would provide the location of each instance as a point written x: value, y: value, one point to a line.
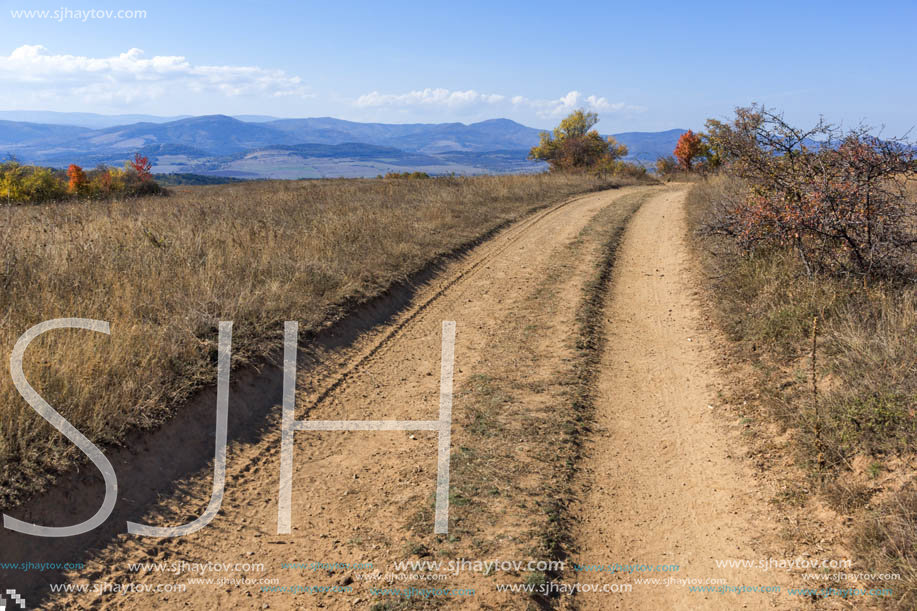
x: 78, y: 181
x: 142, y: 166
x: 105, y: 181
x: 689, y: 147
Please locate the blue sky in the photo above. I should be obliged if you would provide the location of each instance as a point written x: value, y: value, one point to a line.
x: 640, y: 65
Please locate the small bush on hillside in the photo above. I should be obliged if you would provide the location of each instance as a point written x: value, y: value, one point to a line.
x: 666, y: 167
x: 79, y: 184
x: 621, y: 169
x: 407, y: 175
x: 141, y: 166
x: 19, y: 183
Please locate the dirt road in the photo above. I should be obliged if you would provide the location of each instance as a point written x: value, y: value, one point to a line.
x: 659, y: 485
x: 663, y: 482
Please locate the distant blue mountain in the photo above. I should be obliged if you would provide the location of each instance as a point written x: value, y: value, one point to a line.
x: 265, y: 146
x: 16, y: 134
x: 81, y: 119
x: 214, y: 134
x: 649, y: 146
x: 425, y: 137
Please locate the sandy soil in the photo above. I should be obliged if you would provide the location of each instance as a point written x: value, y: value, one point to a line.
x: 663, y: 484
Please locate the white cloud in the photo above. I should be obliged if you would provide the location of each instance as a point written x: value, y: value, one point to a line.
x: 131, y: 76
x: 454, y: 99
x: 430, y: 97
x: 572, y: 101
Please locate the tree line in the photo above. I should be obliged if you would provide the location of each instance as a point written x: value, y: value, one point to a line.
x: 21, y: 183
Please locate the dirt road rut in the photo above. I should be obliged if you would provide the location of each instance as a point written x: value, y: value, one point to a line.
x: 663, y: 483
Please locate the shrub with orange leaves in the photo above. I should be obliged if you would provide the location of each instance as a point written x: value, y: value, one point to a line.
x: 78, y: 180
x: 142, y: 166
x: 105, y: 181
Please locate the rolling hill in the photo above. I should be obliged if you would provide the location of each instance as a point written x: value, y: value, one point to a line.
x: 17, y: 134
x: 264, y: 147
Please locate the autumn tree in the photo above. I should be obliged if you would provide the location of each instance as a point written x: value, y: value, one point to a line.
x: 666, y: 166
x: 689, y: 147
x: 716, y: 151
x: 101, y: 180
x: 41, y: 185
x: 142, y: 166
x: 105, y: 181
x: 574, y: 145
x: 78, y: 181
x: 616, y: 150
x: 610, y: 163
x: 10, y: 180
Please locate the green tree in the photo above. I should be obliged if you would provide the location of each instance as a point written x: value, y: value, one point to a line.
x: 714, y: 143
x: 576, y: 125
x: 610, y: 162
x: 40, y: 185
x: 574, y: 145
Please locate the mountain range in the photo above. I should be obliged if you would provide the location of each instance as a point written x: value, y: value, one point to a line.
x: 266, y: 147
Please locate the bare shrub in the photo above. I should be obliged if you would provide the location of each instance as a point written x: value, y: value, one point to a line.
x: 838, y: 199
x: 666, y: 167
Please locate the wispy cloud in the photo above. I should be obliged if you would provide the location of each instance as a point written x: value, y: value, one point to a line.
x: 571, y: 101
x: 431, y: 97
x: 129, y: 76
x: 445, y: 98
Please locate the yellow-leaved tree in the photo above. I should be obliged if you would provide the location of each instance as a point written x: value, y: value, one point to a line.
x: 574, y: 145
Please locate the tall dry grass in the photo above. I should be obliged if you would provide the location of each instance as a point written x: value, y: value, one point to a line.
x: 164, y: 271
x: 857, y: 443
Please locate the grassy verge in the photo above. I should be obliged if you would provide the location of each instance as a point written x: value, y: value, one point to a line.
x: 849, y: 413
x: 164, y: 271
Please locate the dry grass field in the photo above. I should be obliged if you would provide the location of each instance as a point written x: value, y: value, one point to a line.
x: 164, y: 270
x: 853, y: 435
